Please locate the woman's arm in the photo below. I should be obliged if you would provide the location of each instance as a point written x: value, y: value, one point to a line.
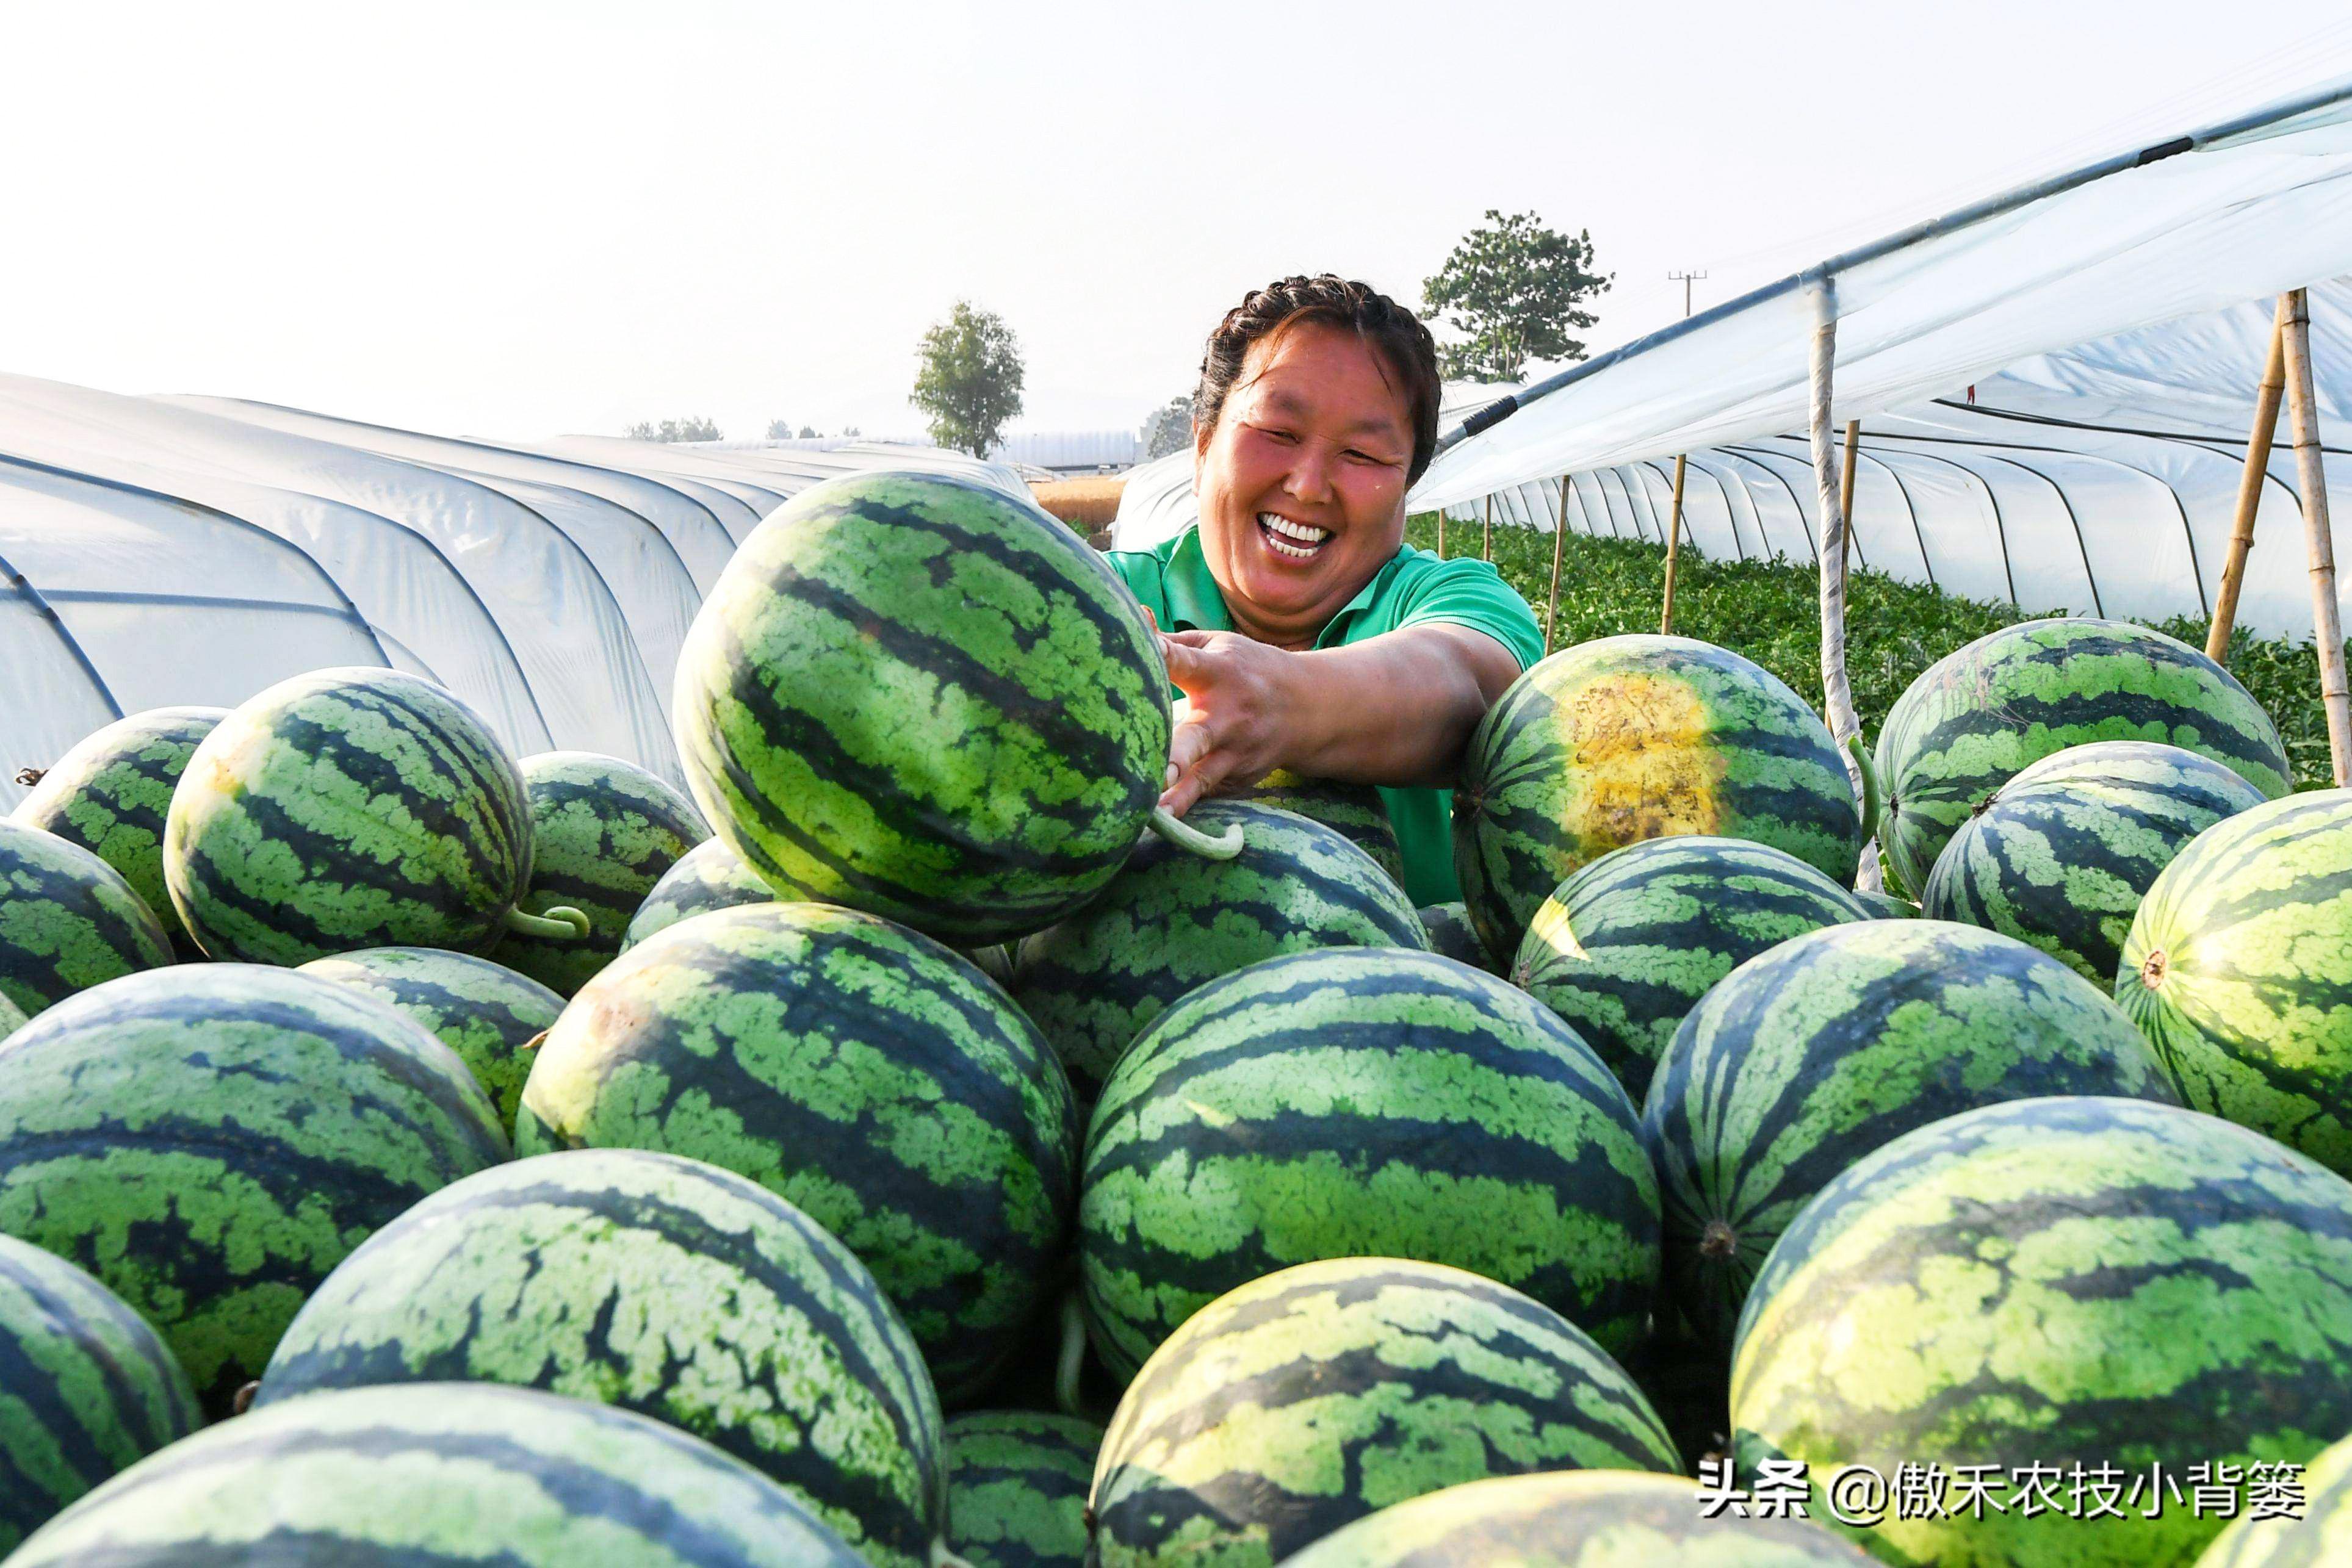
x: 1395, y: 709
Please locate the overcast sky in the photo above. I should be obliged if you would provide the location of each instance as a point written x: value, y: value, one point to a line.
x: 518, y: 218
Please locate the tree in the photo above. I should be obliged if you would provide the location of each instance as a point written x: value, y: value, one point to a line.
x: 1169, y: 429
x: 1514, y: 289
x: 968, y: 379
x: 693, y: 427
x: 780, y: 430
x: 808, y: 433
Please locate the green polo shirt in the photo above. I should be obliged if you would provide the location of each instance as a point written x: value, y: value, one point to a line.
x: 1173, y: 582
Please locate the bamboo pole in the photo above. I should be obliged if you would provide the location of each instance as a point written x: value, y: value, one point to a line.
x: 1845, y: 488
x: 1441, y: 533
x: 2327, y: 624
x: 1673, y: 548
x: 2250, y: 490
x: 1837, y: 695
x: 1559, y: 545
x: 1486, y: 540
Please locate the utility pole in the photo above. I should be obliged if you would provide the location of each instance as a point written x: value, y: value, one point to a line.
x: 1685, y: 279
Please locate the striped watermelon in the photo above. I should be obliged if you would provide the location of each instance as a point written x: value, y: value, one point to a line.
x: 1355, y: 810
x: 2235, y: 970
x: 210, y: 1139
x: 1451, y: 935
x: 68, y: 921
x: 344, y: 809
x: 439, y: 1474
x: 1625, y: 947
x: 1017, y: 1485
x: 1826, y: 1046
x: 90, y: 1389
x: 665, y: 1286
x: 707, y: 877
x: 603, y: 833
x: 1305, y: 1401
x: 1627, y: 739
x: 1975, y: 717
x: 1171, y: 921
x: 915, y: 695
x: 863, y: 1071
x: 2061, y: 855
x: 485, y: 1012
x: 1361, y: 1102
x: 2314, y: 1538
x: 1576, y: 1519
x: 109, y: 794
x: 2049, y: 1281
x: 1887, y: 906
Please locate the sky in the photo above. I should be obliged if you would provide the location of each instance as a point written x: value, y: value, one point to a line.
x: 511, y: 218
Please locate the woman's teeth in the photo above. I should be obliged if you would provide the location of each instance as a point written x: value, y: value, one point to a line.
x: 1295, y: 540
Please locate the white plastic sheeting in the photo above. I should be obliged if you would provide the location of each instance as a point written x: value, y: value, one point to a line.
x: 2114, y: 323
x: 165, y: 550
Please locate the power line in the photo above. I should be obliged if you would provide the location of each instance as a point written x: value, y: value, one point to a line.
x: 1685, y: 279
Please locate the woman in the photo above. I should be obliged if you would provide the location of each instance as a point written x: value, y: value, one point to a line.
x: 1303, y: 630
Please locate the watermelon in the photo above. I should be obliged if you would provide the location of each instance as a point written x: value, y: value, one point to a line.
x: 68, y: 920
x: 89, y: 1387
x: 1361, y: 1102
x: 1302, y: 1401
x: 2061, y: 855
x: 2264, y: 1537
x: 1017, y: 1485
x: 860, y: 1071
x: 487, y: 1013
x: 1355, y: 810
x: 1975, y: 717
x: 1172, y: 920
x: 1824, y: 1048
x: 109, y: 794
x: 345, y: 808
x: 916, y: 695
x: 603, y: 833
x: 2234, y: 969
x: 1576, y: 1519
x: 12, y: 1017
x: 1452, y: 936
x: 210, y: 1139
x: 1627, y: 739
x: 707, y: 877
x: 662, y: 1285
x: 2075, y: 1279
x: 1625, y: 947
x: 439, y: 1474
x: 1886, y: 906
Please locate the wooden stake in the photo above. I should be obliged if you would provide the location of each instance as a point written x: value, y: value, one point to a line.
x: 1673, y: 548
x: 1441, y: 533
x: 1486, y: 542
x: 2250, y: 490
x: 2327, y: 624
x: 1837, y: 695
x: 1845, y: 489
x: 1559, y: 545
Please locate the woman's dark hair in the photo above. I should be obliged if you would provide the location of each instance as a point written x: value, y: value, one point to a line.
x: 1395, y: 334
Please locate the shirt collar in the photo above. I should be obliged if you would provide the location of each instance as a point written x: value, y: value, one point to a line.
x: 1195, y: 603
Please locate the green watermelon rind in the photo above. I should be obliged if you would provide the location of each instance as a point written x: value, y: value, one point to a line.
x: 479, y: 1008
x: 68, y: 921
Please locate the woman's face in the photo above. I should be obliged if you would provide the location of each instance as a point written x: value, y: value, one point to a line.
x: 1302, y: 481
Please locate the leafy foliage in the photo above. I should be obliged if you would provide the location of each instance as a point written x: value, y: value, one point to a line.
x: 1169, y: 429
x: 1769, y: 611
x: 968, y: 379
x: 693, y: 427
x: 1514, y: 289
x: 780, y: 430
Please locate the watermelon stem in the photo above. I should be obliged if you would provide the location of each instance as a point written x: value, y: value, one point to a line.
x: 1069, y: 1367
x: 1223, y: 847
x: 1872, y: 794
x: 561, y: 923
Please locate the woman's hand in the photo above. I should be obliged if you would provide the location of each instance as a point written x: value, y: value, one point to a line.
x: 1237, y: 714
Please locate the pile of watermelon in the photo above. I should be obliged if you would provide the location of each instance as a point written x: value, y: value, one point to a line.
x: 906, y: 1146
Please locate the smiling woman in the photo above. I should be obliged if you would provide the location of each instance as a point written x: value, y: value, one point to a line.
x: 1303, y: 631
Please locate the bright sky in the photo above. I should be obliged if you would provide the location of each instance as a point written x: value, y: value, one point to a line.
x: 518, y: 218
